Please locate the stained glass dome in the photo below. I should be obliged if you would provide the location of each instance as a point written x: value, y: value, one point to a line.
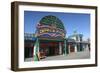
x: 50, y: 27
x: 52, y: 20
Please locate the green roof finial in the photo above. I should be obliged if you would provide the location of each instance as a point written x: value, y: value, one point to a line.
x: 75, y: 32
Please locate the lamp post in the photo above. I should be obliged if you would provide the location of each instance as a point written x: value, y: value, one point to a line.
x: 65, y: 49
x: 36, y: 50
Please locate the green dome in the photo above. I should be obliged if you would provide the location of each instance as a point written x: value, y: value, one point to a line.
x: 52, y: 21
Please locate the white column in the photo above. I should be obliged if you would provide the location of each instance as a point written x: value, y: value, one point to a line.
x: 84, y: 47
x: 75, y: 48
x: 87, y: 47
x: 69, y: 48
x: 60, y: 48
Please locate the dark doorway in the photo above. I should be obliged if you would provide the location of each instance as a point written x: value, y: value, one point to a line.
x: 28, y: 52
x: 72, y: 48
x: 51, y: 51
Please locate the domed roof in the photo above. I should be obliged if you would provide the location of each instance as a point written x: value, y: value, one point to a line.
x: 52, y: 21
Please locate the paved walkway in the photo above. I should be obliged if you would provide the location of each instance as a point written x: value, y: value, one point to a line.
x: 78, y: 55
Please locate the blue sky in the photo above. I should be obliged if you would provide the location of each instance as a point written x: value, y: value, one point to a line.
x: 72, y: 21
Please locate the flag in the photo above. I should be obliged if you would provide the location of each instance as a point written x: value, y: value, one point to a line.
x: 36, y: 50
